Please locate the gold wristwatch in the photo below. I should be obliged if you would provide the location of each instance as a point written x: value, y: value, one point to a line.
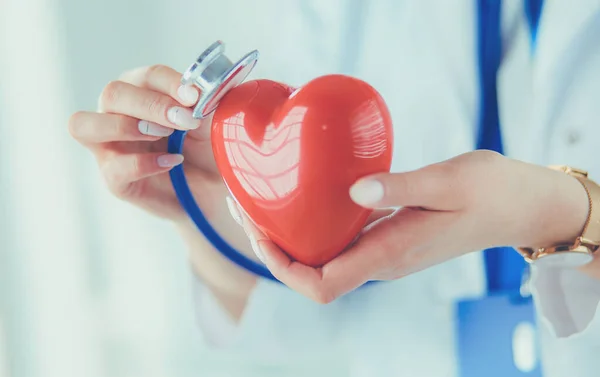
x: 581, y: 250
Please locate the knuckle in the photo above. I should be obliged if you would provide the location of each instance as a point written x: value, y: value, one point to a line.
x: 120, y: 174
x: 126, y: 74
x: 481, y: 163
x: 476, y: 162
x: 323, y: 295
x: 394, y: 251
x: 111, y: 177
x: 74, y: 123
x: 452, y: 177
x: 156, y: 105
x: 136, y: 165
x: 454, y: 174
x: 123, y: 126
x: 110, y: 94
x: 486, y: 156
x: 409, y: 187
x: 385, y: 249
x: 130, y: 73
x: 465, y: 172
x: 154, y: 71
x: 450, y: 171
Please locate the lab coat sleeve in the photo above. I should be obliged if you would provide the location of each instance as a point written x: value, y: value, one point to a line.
x: 567, y: 300
x: 277, y: 324
x: 566, y: 91
x: 216, y: 324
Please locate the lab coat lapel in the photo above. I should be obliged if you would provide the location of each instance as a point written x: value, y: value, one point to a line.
x: 554, y: 40
x: 560, y: 34
x: 315, y: 36
x: 561, y: 27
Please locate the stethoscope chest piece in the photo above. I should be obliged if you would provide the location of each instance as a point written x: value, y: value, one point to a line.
x: 214, y: 74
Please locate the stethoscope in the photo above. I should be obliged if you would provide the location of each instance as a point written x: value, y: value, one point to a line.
x: 214, y: 74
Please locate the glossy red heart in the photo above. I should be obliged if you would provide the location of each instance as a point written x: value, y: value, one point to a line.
x: 289, y: 157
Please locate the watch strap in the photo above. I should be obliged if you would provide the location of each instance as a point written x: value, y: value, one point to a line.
x: 589, y: 240
x: 591, y: 231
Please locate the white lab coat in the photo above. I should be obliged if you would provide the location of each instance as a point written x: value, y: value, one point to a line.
x: 420, y: 55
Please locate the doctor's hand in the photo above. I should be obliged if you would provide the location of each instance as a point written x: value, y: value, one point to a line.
x: 128, y: 138
x: 469, y: 203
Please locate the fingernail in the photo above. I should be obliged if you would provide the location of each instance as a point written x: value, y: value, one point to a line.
x: 182, y: 117
x: 153, y: 129
x: 233, y: 210
x: 187, y: 94
x: 257, y: 249
x: 169, y: 160
x: 367, y: 192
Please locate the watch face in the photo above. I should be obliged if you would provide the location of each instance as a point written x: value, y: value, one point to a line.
x: 565, y: 259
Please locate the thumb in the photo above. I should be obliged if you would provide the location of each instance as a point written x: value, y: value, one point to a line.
x: 435, y: 187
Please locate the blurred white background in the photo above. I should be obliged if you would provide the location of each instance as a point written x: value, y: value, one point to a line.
x: 89, y: 285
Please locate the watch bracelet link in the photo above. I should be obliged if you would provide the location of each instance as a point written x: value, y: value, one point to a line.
x: 584, y: 243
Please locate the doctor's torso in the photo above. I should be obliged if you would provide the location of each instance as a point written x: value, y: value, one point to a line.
x: 421, y: 56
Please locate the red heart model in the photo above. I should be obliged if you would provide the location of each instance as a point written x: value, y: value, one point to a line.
x: 289, y: 157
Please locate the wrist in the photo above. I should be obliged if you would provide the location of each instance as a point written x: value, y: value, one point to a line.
x: 229, y: 284
x: 567, y: 211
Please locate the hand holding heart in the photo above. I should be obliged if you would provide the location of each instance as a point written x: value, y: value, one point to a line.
x: 471, y: 202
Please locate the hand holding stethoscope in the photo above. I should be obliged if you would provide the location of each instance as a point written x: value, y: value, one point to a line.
x: 128, y: 137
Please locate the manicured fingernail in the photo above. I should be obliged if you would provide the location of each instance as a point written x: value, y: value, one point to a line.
x: 367, y: 192
x: 153, y: 129
x: 182, y: 117
x: 256, y: 248
x: 169, y: 160
x: 187, y: 94
x: 233, y: 210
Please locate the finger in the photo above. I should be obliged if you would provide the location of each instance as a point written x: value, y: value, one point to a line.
x: 393, y: 248
x: 436, y: 187
x: 94, y: 128
x: 308, y: 281
x: 121, y: 170
x: 301, y: 278
x: 319, y: 285
x: 202, y: 133
x: 124, y: 98
x: 322, y: 285
x: 234, y: 210
x: 330, y: 280
x: 162, y: 79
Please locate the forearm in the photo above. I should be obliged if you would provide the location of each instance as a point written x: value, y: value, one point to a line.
x: 230, y: 284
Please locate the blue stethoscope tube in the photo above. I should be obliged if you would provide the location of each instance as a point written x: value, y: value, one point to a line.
x: 185, y: 197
